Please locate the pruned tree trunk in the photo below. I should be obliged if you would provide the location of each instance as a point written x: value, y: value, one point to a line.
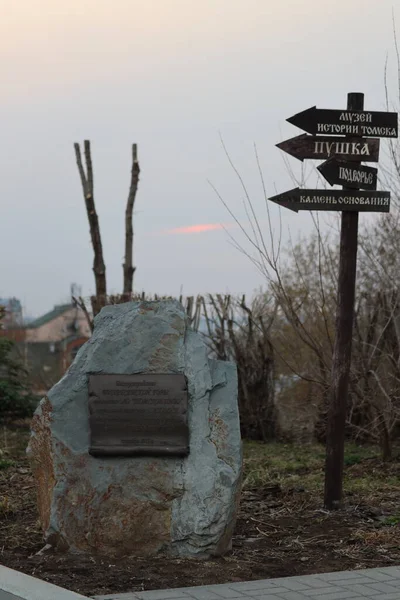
x: 129, y: 269
x: 99, y: 268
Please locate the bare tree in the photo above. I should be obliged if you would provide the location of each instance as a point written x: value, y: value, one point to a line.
x: 100, y: 298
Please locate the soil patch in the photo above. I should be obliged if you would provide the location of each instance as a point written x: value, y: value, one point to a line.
x: 281, y: 531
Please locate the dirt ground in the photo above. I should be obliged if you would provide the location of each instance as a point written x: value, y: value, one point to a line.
x: 281, y: 530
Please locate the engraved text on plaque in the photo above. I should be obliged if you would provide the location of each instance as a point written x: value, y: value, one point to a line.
x: 142, y: 415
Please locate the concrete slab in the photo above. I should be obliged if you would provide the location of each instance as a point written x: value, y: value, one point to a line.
x: 371, y: 584
x: 18, y: 586
x: 8, y: 596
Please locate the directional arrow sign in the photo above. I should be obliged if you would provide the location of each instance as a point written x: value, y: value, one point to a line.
x: 352, y: 175
x: 324, y: 147
x: 347, y: 122
x: 298, y: 199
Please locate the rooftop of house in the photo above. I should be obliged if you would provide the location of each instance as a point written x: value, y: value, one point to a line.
x: 53, y: 314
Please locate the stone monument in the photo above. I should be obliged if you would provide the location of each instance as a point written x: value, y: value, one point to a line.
x: 137, y: 449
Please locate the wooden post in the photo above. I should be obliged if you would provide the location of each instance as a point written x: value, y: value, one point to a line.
x: 335, y: 436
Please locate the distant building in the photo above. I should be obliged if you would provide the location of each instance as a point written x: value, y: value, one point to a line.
x: 47, y: 362
x: 48, y: 345
x: 64, y: 321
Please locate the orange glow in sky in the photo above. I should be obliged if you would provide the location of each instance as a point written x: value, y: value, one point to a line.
x: 197, y: 228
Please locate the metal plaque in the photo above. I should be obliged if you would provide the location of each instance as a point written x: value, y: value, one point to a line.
x: 138, y: 415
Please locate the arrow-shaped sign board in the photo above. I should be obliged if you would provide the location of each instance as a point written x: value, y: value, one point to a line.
x: 298, y: 199
x: 347, y: 122
x: 349, y: 174
x: 324, y: 147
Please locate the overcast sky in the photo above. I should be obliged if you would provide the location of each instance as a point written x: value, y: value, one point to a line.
x: 170, y: 75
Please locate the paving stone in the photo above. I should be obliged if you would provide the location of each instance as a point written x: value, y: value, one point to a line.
x: 393, y: 582
x: 340, y: 594
x: 224, y: 591
x: 316, y: 592
x: 312, y: 581
x: 364, y: 590
x: 395, y: 596
x: 386, y: 588
x: 202, y: 593
x: 292, y: 596
x: 267, y: 589
x: 393, y: 571
x: 175, y: 598
x: 128, y: 596
x: 353, y: 581
x: 162, y: 595
x: 379, y: 575
x: 247, y: 586
x: 273, y: 589
x: 339, y: 576
x: 269, y: 597
x: 292, y: 584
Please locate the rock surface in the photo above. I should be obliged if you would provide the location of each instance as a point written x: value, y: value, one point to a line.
x: 142, y: 505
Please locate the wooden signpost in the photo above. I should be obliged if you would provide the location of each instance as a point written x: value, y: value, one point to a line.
x: 343, y: 156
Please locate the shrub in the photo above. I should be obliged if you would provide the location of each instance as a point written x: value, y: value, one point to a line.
x: 16, y: 401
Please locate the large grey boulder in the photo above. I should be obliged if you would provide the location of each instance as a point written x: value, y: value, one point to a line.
x: 141, y: 505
